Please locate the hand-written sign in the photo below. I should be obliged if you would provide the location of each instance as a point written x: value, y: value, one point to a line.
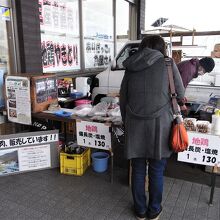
x: 31, y: 140
x: 203, y: 149
x: 93, y: 134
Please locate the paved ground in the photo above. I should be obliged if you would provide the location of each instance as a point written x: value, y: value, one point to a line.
x: 49, y: 195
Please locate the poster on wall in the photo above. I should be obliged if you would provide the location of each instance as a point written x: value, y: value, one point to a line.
x: 46, y: 89
x: 18, y: 99
x: 59, y: 16
x: 99, y: 42
x: 98, y: 53
x: 60, y: 54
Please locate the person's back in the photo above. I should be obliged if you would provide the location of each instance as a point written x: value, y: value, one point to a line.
x: 147, y: 85
x: 146, y: 110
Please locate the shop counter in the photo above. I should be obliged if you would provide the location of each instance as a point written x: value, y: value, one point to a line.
x: 89, y: 133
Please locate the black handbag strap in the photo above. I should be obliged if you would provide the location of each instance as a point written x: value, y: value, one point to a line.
x: 173, y: 94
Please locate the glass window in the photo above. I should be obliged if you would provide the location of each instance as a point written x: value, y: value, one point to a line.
x: 60, y: 45
x: 4, y: 50
x: 129, y: 50
x: 98, y: 33
x: 122, y: 23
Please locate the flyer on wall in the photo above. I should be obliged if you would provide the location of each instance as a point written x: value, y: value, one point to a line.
x: 18, y: 99
x: 34, y: 157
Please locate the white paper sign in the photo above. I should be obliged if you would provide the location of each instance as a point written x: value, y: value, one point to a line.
x: 203, y: 149
x: 60, y: 53
x: 93, y: 134
x: 18, y: 99
x: 35, y: 157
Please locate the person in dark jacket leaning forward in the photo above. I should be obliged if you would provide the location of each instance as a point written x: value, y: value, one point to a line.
x: 146, y: 110
x: 190, y: 69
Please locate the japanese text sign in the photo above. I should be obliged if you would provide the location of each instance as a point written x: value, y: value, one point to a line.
x: 30, y: 140
x: 93, y: 134
x: 203, y: 149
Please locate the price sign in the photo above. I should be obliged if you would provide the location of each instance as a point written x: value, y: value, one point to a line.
x: 93, y: 134
x: 203, y: 149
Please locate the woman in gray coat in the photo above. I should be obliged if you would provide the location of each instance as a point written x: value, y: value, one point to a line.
x: 146, y: 110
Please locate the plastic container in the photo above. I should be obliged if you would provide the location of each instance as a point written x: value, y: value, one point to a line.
x: 76, y: 95
x: 82, y: 102
x: 75, y: 164
x: 216, y: 122
x: 100, y: 161
x: 63, y: 113
x: 203, y: 126
x: 190, y: 124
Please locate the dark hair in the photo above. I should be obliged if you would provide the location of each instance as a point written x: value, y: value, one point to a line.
x: 154, y: 42
x: 207, y: 63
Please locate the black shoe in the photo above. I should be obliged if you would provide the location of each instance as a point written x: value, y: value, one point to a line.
x: 155, y: 216
x: 140, y: 216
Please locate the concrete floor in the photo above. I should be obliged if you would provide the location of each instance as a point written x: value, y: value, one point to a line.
x: 49, y: 195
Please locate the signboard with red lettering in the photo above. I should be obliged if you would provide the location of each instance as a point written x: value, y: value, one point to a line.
x: 93, y: 134
x: 203, y: 149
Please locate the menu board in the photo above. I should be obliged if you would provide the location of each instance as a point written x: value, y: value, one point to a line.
x: 203, y: 149
x: 93, y: 134
x: 18, y: 99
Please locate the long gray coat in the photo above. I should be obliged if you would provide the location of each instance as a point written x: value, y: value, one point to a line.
x: 146, y: 104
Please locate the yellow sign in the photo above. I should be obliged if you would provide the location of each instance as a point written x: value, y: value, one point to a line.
x: 5, y: 14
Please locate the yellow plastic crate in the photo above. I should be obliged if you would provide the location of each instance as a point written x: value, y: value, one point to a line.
x: 75, y: 164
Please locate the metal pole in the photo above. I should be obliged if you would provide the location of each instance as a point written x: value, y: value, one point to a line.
x: 213, y: 180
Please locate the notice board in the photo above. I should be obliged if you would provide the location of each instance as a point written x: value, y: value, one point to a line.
x: 29, y: 151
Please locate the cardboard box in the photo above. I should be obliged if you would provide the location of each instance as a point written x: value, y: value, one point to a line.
x: 43, y: 92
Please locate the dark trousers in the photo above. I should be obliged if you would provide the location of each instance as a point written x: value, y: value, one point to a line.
x: 155, y: 173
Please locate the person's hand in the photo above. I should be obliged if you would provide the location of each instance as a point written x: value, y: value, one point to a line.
x: 184, y: 110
